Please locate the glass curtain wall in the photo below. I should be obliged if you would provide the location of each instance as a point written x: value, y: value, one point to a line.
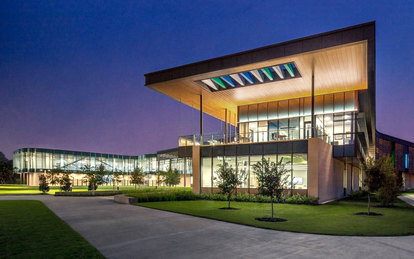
x: 335, y: 116
x: 295, y: 163
x: 38, y: 160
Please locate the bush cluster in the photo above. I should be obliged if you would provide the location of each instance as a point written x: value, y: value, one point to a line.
x: 174, y: 195
x: 154, y: 195
x: 357, y: 195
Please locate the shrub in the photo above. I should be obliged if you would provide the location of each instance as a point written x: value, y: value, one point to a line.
x: 163, y: 196
x: 43, y: 184
x: 356, y: 195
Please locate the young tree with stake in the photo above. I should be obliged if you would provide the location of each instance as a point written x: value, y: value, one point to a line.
x: 228, y: 180
x: 272, y: 178
x: 137, y: 177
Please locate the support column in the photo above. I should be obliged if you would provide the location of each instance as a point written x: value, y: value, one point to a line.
x: 229, y: 128
x: 225, y: 126
x: 313, y: 101
x: 201, y: 119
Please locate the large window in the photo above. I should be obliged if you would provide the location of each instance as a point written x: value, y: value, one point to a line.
x: 290, y: 120
x: 206, y: 172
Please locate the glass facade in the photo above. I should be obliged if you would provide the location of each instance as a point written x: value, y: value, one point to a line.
x: 335, y: 116
x: 38, y: 160
x: 243, y: 157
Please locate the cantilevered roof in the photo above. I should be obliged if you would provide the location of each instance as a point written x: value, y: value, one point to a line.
x: 343, y: 60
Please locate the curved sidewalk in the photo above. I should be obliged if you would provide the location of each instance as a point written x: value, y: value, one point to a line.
x: 125, y: 231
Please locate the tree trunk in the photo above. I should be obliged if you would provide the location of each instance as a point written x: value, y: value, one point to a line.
x: 271, y: 200
x: 135, y: 186
x: 228, y: 198
x: 369, y: 203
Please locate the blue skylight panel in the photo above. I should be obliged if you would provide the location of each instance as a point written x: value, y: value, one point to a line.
x: 228, y: 80
x: 247, y: 76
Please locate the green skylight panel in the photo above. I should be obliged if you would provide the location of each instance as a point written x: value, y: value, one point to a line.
x: 289, y: 69
x: 257, y: 74
x: 267, y: 72
x: 237, y: 78
x: 278, y: 71
x: 219, y: 82
x: 209, y: 83
x: 253, y: 77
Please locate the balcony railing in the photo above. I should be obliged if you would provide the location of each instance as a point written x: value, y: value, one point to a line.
x: 265, y: 136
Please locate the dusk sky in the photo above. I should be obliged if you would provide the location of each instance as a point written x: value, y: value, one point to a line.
x: 72, y: 72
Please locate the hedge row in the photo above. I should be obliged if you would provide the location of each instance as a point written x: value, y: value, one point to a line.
x: 182, y: 195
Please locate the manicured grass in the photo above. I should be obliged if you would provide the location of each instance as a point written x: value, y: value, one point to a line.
x: 408, y: 192
x: 17, y: 189
x: 28, y: 229
x: 335, y: 218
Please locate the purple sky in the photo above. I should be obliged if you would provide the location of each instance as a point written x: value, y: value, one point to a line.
x: 72, y: 74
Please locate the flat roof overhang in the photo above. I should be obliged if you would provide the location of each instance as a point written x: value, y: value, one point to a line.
x: 344, y: 60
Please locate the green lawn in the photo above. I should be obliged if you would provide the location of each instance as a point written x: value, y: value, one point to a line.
x: 28, y: 229
x: 17, y: 189
x: 335, y: 218
x: 408, y: 192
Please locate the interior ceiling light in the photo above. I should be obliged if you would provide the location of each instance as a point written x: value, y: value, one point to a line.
x: 252, y: 77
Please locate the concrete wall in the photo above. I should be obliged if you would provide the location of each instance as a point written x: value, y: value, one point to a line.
x: 324, y: 172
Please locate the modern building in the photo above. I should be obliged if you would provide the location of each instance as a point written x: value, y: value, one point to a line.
x: 310, y: 101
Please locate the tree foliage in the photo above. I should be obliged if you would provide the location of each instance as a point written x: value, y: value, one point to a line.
x: 95, y: 177
x: 228, y: 180
x: 172, y: 177
x: 137, y: 177
x: 65, y: 182
x: 272, y: 178
x: 43, y: 184
x: 160, y: 177
x: 381, y: 177
x: 6, y: 172
x: 116, y: 178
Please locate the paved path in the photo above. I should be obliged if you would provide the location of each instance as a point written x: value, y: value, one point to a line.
x: 408, y: 199
x: 125, y: 231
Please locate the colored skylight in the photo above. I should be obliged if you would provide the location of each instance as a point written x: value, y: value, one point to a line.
x: 252, y: 77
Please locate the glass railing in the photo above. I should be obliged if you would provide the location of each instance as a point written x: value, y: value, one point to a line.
x: 265, y: 136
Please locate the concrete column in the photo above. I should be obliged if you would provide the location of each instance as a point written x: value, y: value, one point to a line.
x: 196, y: 170
x: 201, y: 119
x: 225, y: 126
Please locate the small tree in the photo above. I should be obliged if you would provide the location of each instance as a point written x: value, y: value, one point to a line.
x: 390, y: 188
x: 95, y: 177
x: 272, y: 178
x: 374, y: 176
x: 64, y: 182
x: 53, y: 176
x: 160, y: 178
x: 228, y: 180
x: 6, y: 172
x: 137, y: 176
x: 43, y: 184
x: 116, y: 178
x: 172, y: 177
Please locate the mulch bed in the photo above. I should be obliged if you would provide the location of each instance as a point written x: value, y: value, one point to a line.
x: 370, y: 214
x: 271, y: 219
x: 226, y: 208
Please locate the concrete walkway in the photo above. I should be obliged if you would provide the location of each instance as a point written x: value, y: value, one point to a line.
x: 125, y: 231
x: 408, y: 199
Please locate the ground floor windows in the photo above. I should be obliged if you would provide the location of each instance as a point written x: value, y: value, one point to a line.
x: 296, y: 164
